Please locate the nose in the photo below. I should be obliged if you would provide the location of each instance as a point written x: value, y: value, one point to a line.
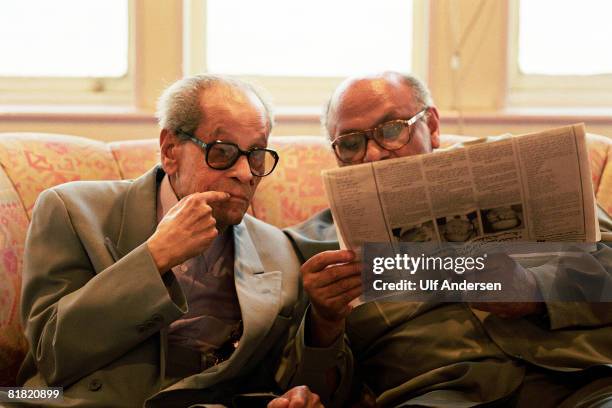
x: 242, y: 171
x: 374, y: 152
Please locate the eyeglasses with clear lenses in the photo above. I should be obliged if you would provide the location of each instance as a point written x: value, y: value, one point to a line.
x: 223, y: 155
x: 392, y: 135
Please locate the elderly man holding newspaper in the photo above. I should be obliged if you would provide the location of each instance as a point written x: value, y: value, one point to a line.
x: 437, y: 354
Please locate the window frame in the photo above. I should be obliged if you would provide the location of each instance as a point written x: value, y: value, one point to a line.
x: 76, y: 90
x: 293, y: 91
x: 536, y: 90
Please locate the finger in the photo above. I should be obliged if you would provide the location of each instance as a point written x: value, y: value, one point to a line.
x: 198, y: 212
x: 298, y: 400
x: 323, y: 259
x: 315, y: 401
x: 203, y: 218
x: 342, y: 300
x: 192, y: 206
x: 212, y: 196
x: 312, y: 400
x: 209, y: 234
x: 337, y: 308
x: 333, y: 274
x: 299, y: 396
x: 202, y: 229
x: 339, y: 287
x: 280, y: 402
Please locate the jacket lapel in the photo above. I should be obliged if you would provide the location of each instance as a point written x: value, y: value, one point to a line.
x: 259, y: 295
x: 139, y: 218
x: 138, y: 223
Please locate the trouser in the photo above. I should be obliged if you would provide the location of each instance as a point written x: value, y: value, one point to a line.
x: 544, y: 388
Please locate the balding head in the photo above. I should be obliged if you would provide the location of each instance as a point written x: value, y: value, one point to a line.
x: 364, y: 103
x: 180, y: 105
x: 373, y: 84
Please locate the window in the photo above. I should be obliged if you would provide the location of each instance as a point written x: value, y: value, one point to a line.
x: 300, y: 51
x: 78, y: 47
x: 558, y: 53
x: 565, y: 38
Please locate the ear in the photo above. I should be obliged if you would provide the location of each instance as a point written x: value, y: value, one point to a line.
x: 433, y: 123
x: 169, y: 144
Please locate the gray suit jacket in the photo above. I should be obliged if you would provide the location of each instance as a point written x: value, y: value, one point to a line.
x: 96, y: 320
x: 449, y: 355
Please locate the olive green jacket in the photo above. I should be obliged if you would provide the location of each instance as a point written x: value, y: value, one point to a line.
x: 449, y: 355
x: 96, y: 313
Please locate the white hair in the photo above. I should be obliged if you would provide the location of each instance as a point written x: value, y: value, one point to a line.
x: 179, y: 108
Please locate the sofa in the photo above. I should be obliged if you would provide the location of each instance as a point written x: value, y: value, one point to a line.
x: 32, y: 162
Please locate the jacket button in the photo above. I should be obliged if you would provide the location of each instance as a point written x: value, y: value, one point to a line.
x: 95, y: 384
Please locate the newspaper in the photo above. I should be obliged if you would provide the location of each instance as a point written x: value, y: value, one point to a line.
x: 534, y: 187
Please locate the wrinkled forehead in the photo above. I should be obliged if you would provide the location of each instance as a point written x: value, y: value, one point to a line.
x: 234, y: 107
x: 224, y: 97
x: 360, y: 103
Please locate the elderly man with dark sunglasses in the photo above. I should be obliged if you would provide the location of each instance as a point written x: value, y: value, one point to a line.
x: 161, y: 291
x: 448, y: 354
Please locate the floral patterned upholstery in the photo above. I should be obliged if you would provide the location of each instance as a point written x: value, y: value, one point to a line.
x: 33, y: 162
x: 294, y: 191
x: 13, y: 227
x: 135, y: 157
x: 600, y: 155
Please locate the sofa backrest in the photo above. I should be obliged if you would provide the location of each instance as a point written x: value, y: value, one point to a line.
x: 32, y: 162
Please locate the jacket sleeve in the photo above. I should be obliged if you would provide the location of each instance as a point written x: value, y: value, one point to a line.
x: 306, y: 365
x: 578, y: 288
x: 76, y: 319
x: 303, y: 364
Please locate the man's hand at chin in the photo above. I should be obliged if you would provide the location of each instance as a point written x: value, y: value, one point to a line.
x: 188, y: 229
